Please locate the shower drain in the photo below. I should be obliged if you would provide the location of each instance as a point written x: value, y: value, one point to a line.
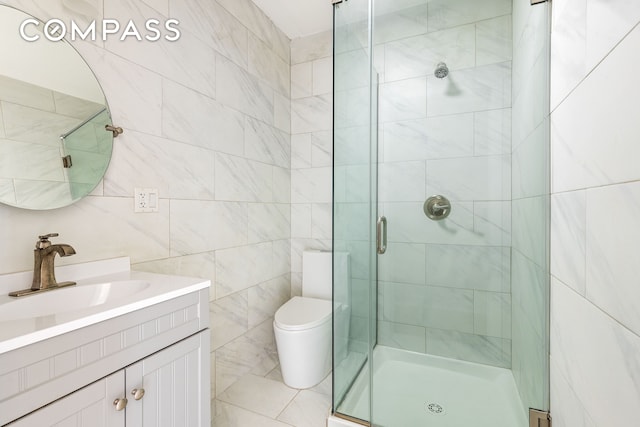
x: 434, y: 408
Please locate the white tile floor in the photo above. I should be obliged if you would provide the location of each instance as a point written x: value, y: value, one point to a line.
x: 268, y: 402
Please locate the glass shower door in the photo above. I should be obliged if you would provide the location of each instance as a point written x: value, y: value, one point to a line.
x: 354, y: 211
x: 445, y: 177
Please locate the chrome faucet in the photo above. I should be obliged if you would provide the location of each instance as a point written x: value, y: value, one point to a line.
x: 44, y: 278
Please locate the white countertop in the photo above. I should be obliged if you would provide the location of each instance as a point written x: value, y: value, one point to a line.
x: 18, y: 333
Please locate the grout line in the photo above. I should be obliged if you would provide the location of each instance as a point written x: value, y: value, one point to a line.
x: 246, y: 409
x: 595, y: 187
x: 287, y: 405
x: 593, y: 69
x: 597, y: 307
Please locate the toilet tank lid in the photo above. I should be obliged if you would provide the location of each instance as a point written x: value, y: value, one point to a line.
x: 301, y: 313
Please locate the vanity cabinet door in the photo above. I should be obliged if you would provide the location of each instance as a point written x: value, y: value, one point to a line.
x: 176, y: 386
x: 91, y: 406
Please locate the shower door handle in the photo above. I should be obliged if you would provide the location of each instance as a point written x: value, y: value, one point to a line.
x: 381, y: 235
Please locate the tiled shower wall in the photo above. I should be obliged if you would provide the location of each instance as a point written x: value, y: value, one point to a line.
x: 595, y: 229
x: 445, y: 286
x: 207, y: 122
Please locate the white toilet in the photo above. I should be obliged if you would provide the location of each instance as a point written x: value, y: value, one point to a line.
x: 302, y: 326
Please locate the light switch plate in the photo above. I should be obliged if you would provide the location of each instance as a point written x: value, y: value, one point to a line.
x: 146, y: 200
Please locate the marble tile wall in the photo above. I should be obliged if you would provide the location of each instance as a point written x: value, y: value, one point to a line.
x: 311, y: 148
x: 595, y: 339
x: 445, y: 286
x: 207, y: 122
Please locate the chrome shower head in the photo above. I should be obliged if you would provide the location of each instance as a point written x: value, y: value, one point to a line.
x: 442, y: 70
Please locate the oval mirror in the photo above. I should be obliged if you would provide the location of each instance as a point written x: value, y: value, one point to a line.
x: 54, y: 148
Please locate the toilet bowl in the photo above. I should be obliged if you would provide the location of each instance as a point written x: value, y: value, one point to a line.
x: 302, y: 326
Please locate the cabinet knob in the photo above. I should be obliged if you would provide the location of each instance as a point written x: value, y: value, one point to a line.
x: 120, y: 404
x: 137, y: 393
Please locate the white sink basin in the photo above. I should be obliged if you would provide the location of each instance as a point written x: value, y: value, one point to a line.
x: 69, y: 299
x: 106, y: 289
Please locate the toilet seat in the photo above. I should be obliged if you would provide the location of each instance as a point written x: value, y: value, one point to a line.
x: 302, y: 313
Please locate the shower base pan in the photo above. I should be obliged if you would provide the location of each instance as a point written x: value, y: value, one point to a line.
x: 415, y: 390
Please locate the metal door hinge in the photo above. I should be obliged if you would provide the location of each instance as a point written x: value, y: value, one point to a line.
x: 539, y: 418
x: 538, y: 1
x: 67, y: 162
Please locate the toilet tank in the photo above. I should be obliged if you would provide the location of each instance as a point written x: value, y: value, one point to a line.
x: 317, y: 274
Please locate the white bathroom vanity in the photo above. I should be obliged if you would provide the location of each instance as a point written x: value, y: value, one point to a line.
x: 120, y: 348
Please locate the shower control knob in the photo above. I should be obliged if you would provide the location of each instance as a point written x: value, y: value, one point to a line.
x: 437, y: 208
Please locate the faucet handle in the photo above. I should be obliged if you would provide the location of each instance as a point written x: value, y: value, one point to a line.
x: 47, y: 236
x: 44, y: 240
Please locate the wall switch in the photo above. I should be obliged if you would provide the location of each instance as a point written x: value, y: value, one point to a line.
x: 146, y: 200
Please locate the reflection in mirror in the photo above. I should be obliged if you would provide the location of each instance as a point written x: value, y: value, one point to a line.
x: 54, y: 148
